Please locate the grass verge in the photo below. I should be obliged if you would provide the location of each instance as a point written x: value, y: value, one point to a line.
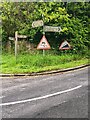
x: 37, y: 63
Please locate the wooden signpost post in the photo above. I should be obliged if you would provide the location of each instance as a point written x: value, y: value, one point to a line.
x: 16, y: 41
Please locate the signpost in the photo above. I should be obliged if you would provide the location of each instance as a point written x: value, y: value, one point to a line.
x: 52, y: 29
x: 21, y: 36
x: 11, y: 38
x: 44, y: 45
x: 37, y: 23
x: 16, y: 41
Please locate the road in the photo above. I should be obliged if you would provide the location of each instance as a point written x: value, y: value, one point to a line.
x: 61, y: 95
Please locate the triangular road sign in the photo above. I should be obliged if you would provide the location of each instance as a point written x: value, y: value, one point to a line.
x: 65, y: 46
x: 43, y: 45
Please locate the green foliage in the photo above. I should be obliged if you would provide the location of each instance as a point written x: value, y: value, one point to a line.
x: 74, y: 19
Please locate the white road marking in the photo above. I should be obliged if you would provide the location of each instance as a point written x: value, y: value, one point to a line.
x: 39, y: 98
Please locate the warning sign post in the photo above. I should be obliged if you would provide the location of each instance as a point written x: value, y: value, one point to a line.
x: 43, y: 45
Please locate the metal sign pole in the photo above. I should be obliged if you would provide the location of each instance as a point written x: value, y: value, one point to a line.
x: 43, y: 34
x: 43, y: 52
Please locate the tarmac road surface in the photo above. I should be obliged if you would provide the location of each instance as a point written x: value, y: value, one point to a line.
x: 61, y: 95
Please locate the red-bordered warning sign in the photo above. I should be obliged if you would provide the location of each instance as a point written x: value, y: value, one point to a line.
x: 43, y: 45
x: 65, y: 46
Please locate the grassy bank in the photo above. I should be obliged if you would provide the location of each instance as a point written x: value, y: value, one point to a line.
x: 36, y: 63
